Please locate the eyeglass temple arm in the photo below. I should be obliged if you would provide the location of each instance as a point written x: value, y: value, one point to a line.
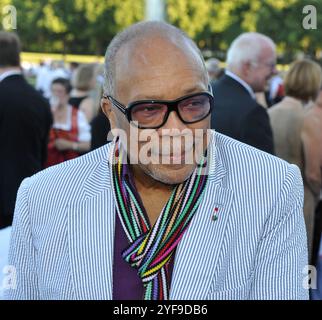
x: 210, y: 89
x: 116, y: 103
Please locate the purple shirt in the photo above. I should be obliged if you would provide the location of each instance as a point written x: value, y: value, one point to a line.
x: 127, y: 285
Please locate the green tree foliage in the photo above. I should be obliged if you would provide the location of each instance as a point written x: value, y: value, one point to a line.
x: 87, y: 26
x: 80, y: 26
x: 285, y: 27
x: 214, y: 24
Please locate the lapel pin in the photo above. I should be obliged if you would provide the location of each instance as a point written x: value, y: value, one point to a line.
x: 215, y: 216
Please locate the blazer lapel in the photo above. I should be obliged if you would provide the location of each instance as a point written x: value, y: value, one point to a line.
x: 198, y: 253
x: 91, y: 237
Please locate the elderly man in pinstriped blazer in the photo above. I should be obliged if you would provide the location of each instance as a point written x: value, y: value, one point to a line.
x: 110, y: 225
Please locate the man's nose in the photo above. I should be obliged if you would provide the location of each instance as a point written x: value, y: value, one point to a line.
x: 174, y: 122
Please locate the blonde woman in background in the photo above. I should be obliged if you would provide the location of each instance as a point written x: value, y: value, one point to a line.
x: 292, y: 140
x: 84, y: 83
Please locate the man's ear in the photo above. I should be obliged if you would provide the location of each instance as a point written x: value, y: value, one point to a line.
x: 246, y: 68
x: 106, y: 106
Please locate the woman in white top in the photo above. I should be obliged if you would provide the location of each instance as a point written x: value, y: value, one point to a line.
x: 70, y: 135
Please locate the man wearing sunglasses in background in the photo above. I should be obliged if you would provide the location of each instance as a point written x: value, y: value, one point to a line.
x: 227, y: 224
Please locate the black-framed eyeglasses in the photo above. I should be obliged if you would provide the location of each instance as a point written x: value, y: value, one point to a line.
x: 153, y: 114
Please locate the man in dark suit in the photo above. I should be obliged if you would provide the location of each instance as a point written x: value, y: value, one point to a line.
x: 251, y: 62
x: 25, y: 120
x: 100, y: 128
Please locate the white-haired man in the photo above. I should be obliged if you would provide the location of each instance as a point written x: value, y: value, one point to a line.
x: 109, y: 225
x: 251, y: 61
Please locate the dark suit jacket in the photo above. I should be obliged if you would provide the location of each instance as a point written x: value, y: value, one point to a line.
x: 237, y: 115
x: 25, y: 121
x: 100, y: 127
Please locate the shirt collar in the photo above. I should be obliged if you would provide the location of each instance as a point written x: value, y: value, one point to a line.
x: 242, y: 82
x: 8, y: 74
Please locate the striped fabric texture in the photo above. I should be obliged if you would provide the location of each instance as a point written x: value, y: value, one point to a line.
x: 151, y: 248
x: 255, y: 248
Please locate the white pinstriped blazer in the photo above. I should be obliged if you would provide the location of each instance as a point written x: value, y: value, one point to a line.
x: 63, y: 233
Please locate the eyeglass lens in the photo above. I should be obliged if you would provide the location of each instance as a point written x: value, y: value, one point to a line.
x: 191, y: 109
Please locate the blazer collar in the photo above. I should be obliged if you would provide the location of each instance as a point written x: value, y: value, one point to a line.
x: 91, y: 245
x: 10, y: 73
x: 91, y: 222
x: 241, y: 82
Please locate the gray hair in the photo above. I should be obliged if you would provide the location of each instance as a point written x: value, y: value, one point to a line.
x: 135, y: 32
x: 247, y: 48
x: 213, y: 65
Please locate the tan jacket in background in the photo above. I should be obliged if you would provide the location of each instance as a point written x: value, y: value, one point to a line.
x: 286, y: 120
